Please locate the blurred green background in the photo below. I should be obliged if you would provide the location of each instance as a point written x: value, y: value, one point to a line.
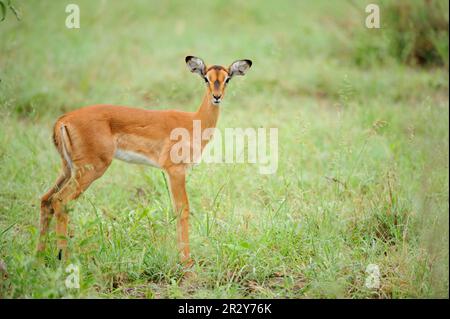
x: 363, y: 145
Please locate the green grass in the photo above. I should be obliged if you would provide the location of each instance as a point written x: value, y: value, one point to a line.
x: 363, y: 154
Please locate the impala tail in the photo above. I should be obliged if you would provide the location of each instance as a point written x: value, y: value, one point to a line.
x: 63, y: 142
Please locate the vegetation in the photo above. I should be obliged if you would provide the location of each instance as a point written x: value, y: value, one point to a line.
x: 363, y: 149
x: 415, y: 32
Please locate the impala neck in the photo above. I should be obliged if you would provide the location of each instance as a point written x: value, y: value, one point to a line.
x: 208, y: 113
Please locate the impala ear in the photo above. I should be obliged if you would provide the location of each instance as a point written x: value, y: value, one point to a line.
x: 239, y: 67
x: 196, y: 65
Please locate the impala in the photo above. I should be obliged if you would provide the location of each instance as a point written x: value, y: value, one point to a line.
x: 88, y: 139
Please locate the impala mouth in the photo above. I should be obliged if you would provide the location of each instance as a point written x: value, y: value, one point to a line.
x: 216, y: 101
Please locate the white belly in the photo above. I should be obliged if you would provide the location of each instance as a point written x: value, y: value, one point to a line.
x: 133, y: 157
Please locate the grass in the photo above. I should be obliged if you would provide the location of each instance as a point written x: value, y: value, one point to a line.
x: 363, y: 155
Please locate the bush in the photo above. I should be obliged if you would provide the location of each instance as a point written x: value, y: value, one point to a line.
x: 418, y: 31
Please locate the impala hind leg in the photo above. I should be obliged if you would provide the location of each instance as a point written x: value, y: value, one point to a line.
x: 46, y: 213
x: 80, y: 180
x: 177, y: 181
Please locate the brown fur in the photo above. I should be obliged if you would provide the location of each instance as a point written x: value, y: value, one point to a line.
x: 94, y: 133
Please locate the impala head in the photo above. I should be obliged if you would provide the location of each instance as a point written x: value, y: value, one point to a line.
x: 217, y: 77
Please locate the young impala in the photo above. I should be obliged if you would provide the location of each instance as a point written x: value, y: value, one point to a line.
x: 89, y: 138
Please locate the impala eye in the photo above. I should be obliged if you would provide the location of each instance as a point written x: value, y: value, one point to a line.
x: 227, y: 80
x: 206, y: 79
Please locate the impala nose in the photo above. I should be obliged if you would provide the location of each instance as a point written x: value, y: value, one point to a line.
x: 216, y: 99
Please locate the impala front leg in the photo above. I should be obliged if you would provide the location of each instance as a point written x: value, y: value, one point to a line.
x: 177, y: 184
